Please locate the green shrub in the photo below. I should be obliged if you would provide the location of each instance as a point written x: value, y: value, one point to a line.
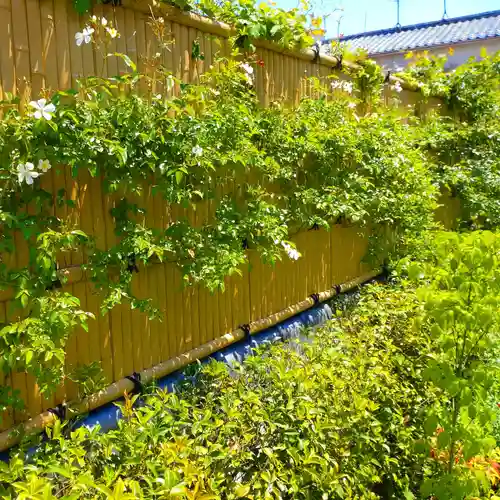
x: 458, y: 278
x: 335, y: 418
x: 395, y: 398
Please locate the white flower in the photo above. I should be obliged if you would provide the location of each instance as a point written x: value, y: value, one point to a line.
x: 197, y: 150
x: 94, y: 18
x: 26, y: 173
x: 44, y: 165
x: 42, y: 109
x: 112, y: 32
x: 104, y: 21
x: 247, y: 68
x: 397, y: 87
x: 348, y: 87
x: 352, y: 105
x: 335, y: 84
x: 248, y: 72
x: 85, y: 36
x: 291, y: 252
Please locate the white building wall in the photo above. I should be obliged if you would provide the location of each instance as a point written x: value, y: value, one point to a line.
x: 462, y: 52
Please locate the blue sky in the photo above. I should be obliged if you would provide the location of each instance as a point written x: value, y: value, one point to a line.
x: 382, y: 13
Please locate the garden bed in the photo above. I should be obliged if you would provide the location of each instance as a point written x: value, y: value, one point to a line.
x: 394, y: 398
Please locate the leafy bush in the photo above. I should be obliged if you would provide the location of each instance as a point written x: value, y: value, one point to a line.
x: 458, y: 277
x: 395, y: 398
x: 293, y: 28
x: 335, y: 418
x: 463, y: 144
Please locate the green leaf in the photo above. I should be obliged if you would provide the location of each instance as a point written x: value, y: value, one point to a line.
x: 242, y: 490
x: 178, y: 490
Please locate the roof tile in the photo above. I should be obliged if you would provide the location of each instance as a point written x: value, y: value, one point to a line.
x: 435, y: 33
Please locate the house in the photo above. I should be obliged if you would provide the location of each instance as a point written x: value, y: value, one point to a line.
x: 466, y: 35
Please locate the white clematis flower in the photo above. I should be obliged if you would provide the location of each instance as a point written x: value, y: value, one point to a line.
x: 291, y: 252
x: 247, y: 68
x: 397, y: 87
x: 44, y: 165
x: 248, y: 72
x: 26, y: 173
x: 112, y: 32
x: 42, y: 109
x: 197, y: 150
x: 85, y: 36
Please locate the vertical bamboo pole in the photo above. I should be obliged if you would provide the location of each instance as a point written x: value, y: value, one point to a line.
x: 107, y: 350
x: 7, y: 66
x: 176, y: 55
x: 74, y: 26
x: 49, y: 50
x: 130, y: 34
x: 21, y: 46
x: 119, y: 317
x: 140, y: 46
x: 35, y: 45
x: 121, y: 41
x: 92, y: 337
x: 7, y: 420
x: 152, y: 222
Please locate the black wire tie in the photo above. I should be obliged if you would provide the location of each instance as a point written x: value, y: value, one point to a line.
x: 315, y: 297
x: 59, y: 411
x: 246, y: 330
x: 135, y: 378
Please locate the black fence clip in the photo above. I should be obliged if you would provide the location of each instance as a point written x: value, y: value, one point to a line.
x: 385, y: 271
x: 315, y: 297
x: 246, y: 330
x: 59, y: 411
x: 338, y: 289
x: 316, y: 48
x: 135, y: 378
x: 55, y: 284
x: 387, y: 77
x: 340, y: 62
x: 132, y: 264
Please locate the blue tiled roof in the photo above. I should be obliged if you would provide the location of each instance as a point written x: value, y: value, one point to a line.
x: 431, y: 34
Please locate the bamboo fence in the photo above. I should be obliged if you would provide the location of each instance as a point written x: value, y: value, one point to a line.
x: 38, y: 51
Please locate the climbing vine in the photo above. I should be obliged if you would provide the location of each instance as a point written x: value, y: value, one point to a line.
x: 294, y: 28
x: 463, y: 142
